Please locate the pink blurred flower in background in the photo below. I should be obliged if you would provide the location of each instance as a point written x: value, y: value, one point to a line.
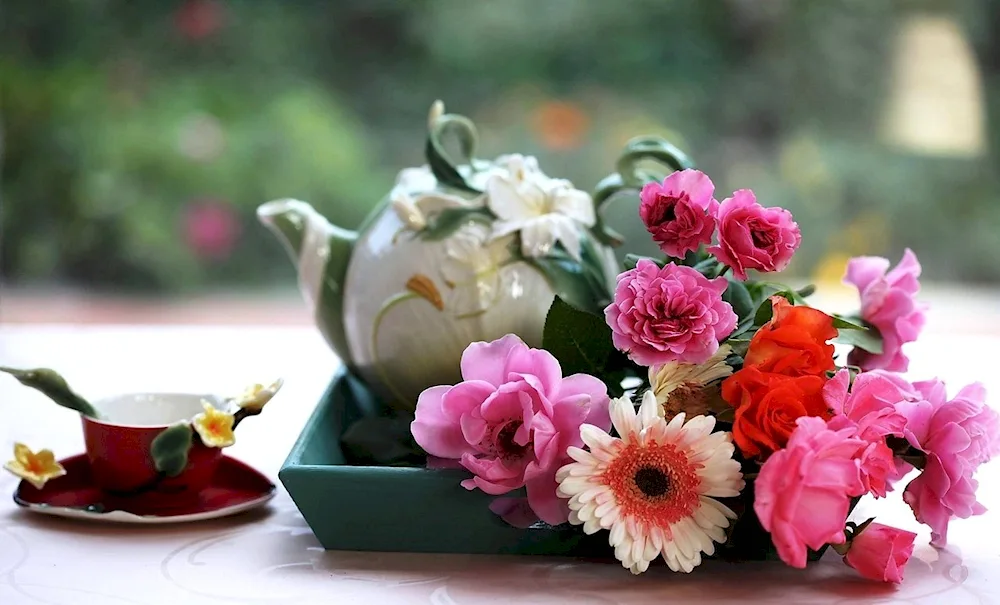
x: 511, y: 421
x: 957, y: 436
x: 888, y: 302
x: 803, y: 492
x: 881, y: 552
x: 754, y: 237
x: 198, y: 19
x: 669, y: 314
x: 211, y: 229
x: 680, y: 212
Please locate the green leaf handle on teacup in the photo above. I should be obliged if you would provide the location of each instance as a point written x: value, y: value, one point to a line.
x: 170, y: 449
x: 630, y: 176
x: 53, y: 386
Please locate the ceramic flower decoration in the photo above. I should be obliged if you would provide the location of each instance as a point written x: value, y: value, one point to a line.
x: 256, y: 396
x: 543, y: 210
x: 214, y: 426
x: 36, y: 469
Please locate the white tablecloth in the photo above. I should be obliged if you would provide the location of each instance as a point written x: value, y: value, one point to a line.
x: 272, y: 557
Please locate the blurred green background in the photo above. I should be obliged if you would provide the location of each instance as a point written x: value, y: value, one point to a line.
x: 139, y: 137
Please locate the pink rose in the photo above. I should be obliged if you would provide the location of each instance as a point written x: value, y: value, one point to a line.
x: 881, y: 552
x: 754, y: 237
x: 669, y: 314
x: 888, y: 303
x: 511, y: 420
x: 957, y: 436
x: 680, y: 213
x: 803, y: 492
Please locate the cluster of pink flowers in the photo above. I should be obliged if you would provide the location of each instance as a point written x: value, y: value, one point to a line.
x: 675, y: 313
x: 804, y: 490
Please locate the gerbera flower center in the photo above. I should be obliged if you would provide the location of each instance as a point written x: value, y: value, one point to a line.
x: 652, y: 481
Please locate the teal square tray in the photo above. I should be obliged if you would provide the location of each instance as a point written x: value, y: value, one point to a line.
x: 402, y: 509
x: 418, y: 509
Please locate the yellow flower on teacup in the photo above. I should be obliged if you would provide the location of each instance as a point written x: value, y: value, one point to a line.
x: 36, y: 469
x: 214, y: 426
x: 255, y: 397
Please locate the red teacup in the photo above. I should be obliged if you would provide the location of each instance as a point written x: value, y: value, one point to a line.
x: 118, y: 448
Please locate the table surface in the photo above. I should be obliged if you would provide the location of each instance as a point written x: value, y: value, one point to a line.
x: 270, y: 556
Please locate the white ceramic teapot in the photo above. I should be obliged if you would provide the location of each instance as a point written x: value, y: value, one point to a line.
x: 457, y: 252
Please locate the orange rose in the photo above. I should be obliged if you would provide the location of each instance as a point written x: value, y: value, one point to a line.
x: 794, y: 342
x: 767, y: 406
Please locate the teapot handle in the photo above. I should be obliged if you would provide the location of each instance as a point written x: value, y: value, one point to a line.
x: 630, y: 177
x: 446, y: 170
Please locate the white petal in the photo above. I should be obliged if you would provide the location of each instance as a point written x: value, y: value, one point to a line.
x: 648, y: 409
x: 566, y: 232
x: 509, y: 202
x: 617, y: 534
x: 623, y: 417
x: 682, y: 538
x: 709, y: 516
x: 591, y: 493
x: 595, y: 438
x: 537, y: 238
x: 591, y: 526
x: 722, y: 508
x: 574, y: 204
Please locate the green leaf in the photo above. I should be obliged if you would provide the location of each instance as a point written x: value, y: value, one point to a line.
x: 449, y: 220
x: 807, y: 291
x: 738, y: 296
x: 53, y: 386
x: 764, y: 313
x: 581, y: 341
x: 444, y: 171
x: 842, y: 324
x: 739, y: 345
x: 582, y: 283
x: 631, y: 260
x: 863, y: 339
x: 381, y: 440
x: 170, y: 449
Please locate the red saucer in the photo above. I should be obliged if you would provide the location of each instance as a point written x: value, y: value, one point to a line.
x: 235, y: 488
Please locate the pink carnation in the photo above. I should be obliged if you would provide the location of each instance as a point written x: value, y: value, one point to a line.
x: 511, y: 420
x: 803, y: 492
x: 881, y: 552
x: 888, y: 303
x: 870, y: 406
x: 957, y: 436
x: 870, y: 409
x: 754, y: 237
x: 669, y: 314
x: 680, y: 212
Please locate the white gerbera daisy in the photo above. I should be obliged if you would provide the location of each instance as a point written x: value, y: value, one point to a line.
x: 654, y: 487
x: 680, y: 387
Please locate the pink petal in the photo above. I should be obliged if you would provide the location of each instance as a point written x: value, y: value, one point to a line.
x: 487, y: 360
x: 437, y: 432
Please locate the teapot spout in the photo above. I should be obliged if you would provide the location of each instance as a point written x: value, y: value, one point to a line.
x: 321, y: 252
